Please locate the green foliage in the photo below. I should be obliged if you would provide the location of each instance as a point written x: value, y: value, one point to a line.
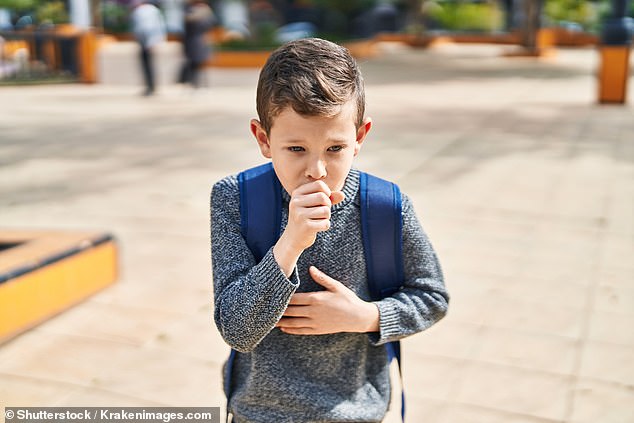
x: 346, y: 7
x: 52, y: 12
x: 115, y: 17
x: 463, y: 16
x: 19, y: 5
x: 247, y: 45
x: 585, y: 13
x: 262, y: 39
x: 43, y: 11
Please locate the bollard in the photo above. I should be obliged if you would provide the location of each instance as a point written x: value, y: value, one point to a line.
x: 613, y: 74
x: 87, y: 54
x: 614, y: 70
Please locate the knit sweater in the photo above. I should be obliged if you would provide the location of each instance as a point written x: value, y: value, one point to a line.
x: 339, y: 377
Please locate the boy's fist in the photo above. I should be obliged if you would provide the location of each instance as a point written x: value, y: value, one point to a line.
x: 309, y: 213
x: 337, y: 197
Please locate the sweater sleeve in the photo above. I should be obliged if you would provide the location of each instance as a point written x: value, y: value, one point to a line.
x: 249, y: 297
x: 422, y: 300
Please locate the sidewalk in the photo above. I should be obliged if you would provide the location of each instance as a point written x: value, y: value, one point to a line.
x: 523, y: 184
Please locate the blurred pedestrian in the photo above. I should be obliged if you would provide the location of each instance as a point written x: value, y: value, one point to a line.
x: 199, y: 18
x: 148, y: 26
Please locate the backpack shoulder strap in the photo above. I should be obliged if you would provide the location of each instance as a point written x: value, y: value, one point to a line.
x: 260, y: 208
x: 382, y: 228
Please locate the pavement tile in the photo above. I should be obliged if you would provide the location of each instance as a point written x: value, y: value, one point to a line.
x: 431, y: 377
x: 570, y: 248
x: 581, y: 272
x: 616, y: 276
x: 417, y: 410
x: 460, y: 413
x: 525, y: 316
x: 602, y: 402
x: 566, y: 294
x: 494, y: 263
x: 194, y: 336
x: 94, y: 397
x: 612, y: 328
x: 168, y: 373
x: 126, y: 324
x: 451, y: 339
x: 551, y: 354
x: 617, y: 251
x: 26, y: 391
x: 607, y: 363
x: 514, y: 390
x: 614, y: 297
x: 182, y: 301
x: 470, y: 308
x: 620, y: 210
x: 60, y: 358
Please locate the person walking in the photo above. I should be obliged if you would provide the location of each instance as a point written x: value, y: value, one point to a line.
x: 199, y: 18
x: 149, y: 30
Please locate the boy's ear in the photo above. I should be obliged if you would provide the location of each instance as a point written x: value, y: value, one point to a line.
x: 362, y: 132
x: 260, y: 136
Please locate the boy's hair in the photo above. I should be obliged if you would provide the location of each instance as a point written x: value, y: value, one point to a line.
x: 313, y: 76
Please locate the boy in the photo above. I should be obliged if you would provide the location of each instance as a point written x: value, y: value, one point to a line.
x: 309, y: 340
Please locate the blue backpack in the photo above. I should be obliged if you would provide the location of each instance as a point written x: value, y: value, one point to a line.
x: 381, y: 225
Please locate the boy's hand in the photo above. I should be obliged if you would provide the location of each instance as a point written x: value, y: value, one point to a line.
x: 309, y: 213
x: 337, y: 309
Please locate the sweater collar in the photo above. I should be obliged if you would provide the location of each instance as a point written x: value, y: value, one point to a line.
x: 350, y: 189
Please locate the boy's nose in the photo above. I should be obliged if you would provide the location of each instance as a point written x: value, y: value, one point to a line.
x: 316, y: 170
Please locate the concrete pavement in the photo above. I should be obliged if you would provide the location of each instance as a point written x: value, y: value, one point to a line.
x: 523, y: 184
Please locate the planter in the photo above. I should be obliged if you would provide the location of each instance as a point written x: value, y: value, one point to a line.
x: 44, y: 273
x: 238, y: 59
x: 361, y: 49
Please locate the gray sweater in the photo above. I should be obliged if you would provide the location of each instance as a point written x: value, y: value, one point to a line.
x: 340, y: 377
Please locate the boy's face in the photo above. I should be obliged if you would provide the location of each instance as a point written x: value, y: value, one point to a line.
x: 305, y: 149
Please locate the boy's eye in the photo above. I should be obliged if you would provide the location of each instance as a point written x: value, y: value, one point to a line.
x: 335, y: 148
x: 295, y: 148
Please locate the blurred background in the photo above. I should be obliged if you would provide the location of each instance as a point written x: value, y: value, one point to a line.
x: 42, y: 37
x: 506, y: 122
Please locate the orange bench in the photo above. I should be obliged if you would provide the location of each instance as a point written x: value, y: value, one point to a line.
x: 45, y: 272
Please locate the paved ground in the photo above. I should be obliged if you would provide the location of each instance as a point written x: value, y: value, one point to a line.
x: 522, y: 182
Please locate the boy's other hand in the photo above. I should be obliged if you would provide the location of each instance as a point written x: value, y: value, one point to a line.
x: 337, y: 309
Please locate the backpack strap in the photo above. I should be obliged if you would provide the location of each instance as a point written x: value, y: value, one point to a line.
x: 260, y: 208
x: 382, y: 227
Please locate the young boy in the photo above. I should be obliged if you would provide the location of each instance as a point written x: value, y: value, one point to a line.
x: 310, y: 342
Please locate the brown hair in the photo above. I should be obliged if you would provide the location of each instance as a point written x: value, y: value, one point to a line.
x: 313, y: 76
